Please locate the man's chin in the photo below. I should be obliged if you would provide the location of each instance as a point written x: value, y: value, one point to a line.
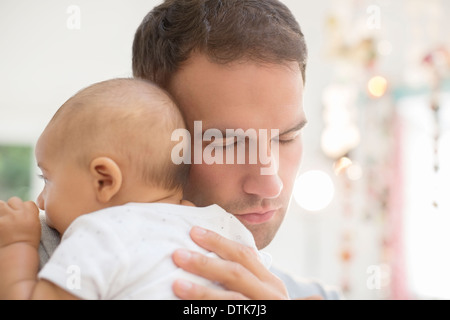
x: 263, y: 233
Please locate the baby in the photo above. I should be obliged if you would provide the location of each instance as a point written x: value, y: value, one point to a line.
x: 114, y: 194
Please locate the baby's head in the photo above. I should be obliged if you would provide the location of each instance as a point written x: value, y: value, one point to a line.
x: 108, y: 145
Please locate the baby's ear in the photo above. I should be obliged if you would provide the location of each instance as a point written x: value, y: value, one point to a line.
x: 107, y: 178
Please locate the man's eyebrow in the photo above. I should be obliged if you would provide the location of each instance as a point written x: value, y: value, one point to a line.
x: 297, y: 127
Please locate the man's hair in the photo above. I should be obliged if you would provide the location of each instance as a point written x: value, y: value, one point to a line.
x: 225, y: 30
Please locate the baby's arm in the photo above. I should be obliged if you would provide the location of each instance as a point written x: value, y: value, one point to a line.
x: 19, y: 240
x: 19, y: 259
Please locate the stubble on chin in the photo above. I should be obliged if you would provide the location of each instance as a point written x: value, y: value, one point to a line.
x: 264, y: 233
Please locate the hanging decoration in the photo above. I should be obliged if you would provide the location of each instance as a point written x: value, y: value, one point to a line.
x: 438, y: 64
x: 361, y: 131
x: 355, y: 80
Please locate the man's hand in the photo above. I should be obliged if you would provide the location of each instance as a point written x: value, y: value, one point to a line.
x: 240, y: 271
x: 19, y: 222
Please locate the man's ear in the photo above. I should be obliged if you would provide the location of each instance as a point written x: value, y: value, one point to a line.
x: 107, y: 178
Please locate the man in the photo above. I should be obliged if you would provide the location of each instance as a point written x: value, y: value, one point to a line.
x: 233, y: 65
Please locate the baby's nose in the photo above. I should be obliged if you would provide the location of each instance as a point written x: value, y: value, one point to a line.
x: 40, y: 202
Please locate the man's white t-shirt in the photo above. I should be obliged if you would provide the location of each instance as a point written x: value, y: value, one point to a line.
x: 125, y: 252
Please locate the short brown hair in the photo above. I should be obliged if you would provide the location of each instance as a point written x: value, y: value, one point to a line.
x: 224, y: 30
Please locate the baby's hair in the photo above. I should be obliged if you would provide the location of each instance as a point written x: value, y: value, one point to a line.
x: 129, y: 120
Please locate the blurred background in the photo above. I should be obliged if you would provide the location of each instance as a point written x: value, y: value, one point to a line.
x: 370, y: 212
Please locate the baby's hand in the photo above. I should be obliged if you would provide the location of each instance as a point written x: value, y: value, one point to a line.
x: 19, y: 222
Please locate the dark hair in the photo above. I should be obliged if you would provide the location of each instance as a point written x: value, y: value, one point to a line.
x: 224, y: 30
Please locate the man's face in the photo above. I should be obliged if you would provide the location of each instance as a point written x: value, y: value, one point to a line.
x: 244, y: 96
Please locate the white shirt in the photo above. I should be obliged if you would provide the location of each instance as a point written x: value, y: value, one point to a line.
x: 125, y: 252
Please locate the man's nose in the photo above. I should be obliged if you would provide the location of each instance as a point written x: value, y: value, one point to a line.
x: 264, y: 186
x: 263, y: 180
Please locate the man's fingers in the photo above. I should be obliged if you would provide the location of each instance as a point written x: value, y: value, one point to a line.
x: 239, y: 270
x: 233, y: 276
x: 230, y: 250
x: 312, y: 298
x: 186, y: 290
x: 222, y: 246
x: 215, y: 269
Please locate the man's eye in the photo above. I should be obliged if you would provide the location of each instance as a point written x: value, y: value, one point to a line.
x: 288, y: 138
x: 41, y: 176
x: 285, y: 141
x: 226, y: 143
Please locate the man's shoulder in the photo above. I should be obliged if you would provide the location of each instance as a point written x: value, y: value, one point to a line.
x: 49, y: 241
x: 303, y: 288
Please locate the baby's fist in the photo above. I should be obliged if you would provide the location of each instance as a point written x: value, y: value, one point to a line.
x: 19, y: 222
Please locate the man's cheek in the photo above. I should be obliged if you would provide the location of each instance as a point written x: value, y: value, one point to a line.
x: 292, y: 157
x: 206, y: 184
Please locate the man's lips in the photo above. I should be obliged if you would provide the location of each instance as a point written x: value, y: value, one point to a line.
x: 256, y: 217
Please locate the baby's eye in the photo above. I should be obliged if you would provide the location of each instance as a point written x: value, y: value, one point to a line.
x: 41, y: 176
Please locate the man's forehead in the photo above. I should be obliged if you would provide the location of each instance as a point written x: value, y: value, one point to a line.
x: 202, y: 77
x: 239, y: 96
x: 283, y: 118
x: 223, y: 120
